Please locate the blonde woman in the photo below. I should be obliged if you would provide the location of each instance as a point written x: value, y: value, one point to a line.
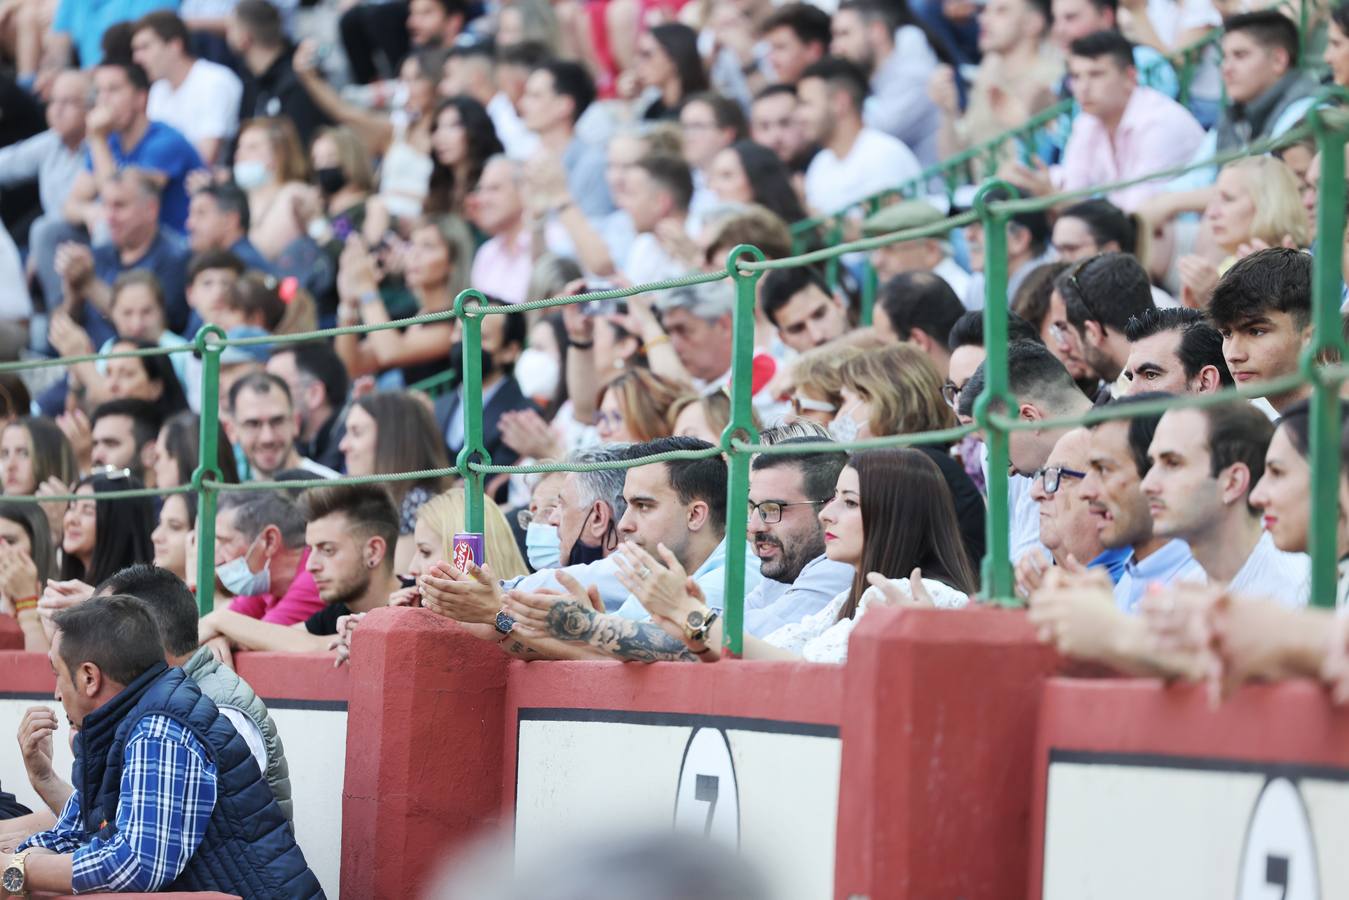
x: 1257, y: 204
x: 270, y: 167
x: 816, y: 376
x: 439, y: 519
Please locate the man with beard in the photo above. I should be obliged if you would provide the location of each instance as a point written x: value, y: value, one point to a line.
x: 1100, y: 295
x: 351, y: 535
x: 263, y: 423
x: 785, y: 495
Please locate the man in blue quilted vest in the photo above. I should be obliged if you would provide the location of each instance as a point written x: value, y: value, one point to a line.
x: 167, y: 796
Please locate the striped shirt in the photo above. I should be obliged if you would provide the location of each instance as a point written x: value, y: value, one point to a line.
x: 168, y: 793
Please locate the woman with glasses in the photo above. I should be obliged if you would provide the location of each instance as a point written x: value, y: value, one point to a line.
x: 896, y: 389
x: 389, y: 433
x: 634, y: 405
x: 892, y: 519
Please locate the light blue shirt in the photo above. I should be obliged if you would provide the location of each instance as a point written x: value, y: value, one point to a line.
x: 1201, y: 178
x: 774, y: 604
x: 711, y: 577
x: 1172, y: 563
x: 602, y: 573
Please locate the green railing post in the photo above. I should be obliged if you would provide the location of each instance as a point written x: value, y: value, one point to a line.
x: 474, y: 451
x: 869, y: 279
x: 833, y: 237
x: 997, y: 567
x: 741, y: 427
x: 208, y: 462
x: 1325, y: 406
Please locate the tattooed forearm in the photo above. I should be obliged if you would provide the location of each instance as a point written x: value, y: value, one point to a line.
x: 620, y: 637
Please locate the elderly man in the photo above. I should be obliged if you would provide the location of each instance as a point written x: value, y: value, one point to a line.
x: 929, y: 254
x: 502, y: 266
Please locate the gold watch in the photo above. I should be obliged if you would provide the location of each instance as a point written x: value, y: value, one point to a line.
x: 14, y: 879
x: 698, y: 623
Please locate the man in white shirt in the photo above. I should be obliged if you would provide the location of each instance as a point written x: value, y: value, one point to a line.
x: 1204, y: 464
x: 197, y: 97
x: 660, y: 189
x: 855, y: 161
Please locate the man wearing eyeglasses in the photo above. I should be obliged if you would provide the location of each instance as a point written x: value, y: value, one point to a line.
x: 785, y: 496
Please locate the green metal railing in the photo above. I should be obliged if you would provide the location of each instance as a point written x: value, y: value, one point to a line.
x: 739, y: 442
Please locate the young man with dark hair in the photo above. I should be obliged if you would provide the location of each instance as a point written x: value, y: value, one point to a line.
x: 257, y: 36
x: 1267, y: 94
x: 801, y: 308
x: 123, y: 434
x: 797, y: 35
x: 218, y: 219
x: 1075, y: 19
x: 1205, y: 463
x: 1101, y: 295
x: 262, y: 422
x: 1116, y: 465
x: 1124, y: 129
x: 786, y: 492
x: 351, y: 533
x: 921, y: 309
x: 1174, y: 350
x: 1263, y: 308
x: 855, y: 161
x: 319, y: 385
x: 966, y: 343
x: 773, y: 122
x: 192, y: 812
x: 556, y: 94
x: 659, y: 191
x: 433, y: 24
x: 676, y: 513
x: 196, y: 96
x: 119, y: 134
x: 898, y: 61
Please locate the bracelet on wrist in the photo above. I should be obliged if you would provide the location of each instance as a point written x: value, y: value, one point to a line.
x: 655, y: 342
x: 25, y: 603
x: 580, y: 345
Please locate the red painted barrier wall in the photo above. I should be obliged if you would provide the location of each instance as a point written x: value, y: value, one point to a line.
x: 11, y: 636
x: 424, y: 748
x: 1292, y: 723
x: 939, y: 716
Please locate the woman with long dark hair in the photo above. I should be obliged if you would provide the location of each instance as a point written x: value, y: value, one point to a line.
x: 177, y: 519
x: 27, y: 560
x: 35, y: 455
x: 463, y: 139
x: 892, y: 519
x: 102, y: 537
x: 177, y: 450
x: 392, y: 432
x: 668, y: 68
x: 746, y: 172
x: 150, y: 378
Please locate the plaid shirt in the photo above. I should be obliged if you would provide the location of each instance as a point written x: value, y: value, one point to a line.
x: 168, y: 793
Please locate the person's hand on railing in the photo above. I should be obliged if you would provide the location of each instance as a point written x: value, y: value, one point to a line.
x: 566, y: 615
x: 1198, y: 278
x: 942, y: 91
x: 525, y: 432
x: 659, y: 585
x: 341, y: 644
x: 1257, y: 639
x: 1076, y: 613
x: 472, y: 597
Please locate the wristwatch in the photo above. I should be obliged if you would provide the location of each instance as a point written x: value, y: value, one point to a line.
x: 504, y: 623
x: 698, y: 623
x: 13, y: 879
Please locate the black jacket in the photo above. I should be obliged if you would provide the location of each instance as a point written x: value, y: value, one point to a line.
x: 508, y: 398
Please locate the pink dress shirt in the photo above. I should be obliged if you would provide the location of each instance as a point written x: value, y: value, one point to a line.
x: 300, y: 601
x: 1155, y: 133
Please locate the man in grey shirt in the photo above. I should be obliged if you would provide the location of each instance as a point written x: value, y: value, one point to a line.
x: 786, y: 492
x: 52, y: 158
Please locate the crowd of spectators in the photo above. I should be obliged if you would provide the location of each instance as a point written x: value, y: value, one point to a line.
x: 271, y: 169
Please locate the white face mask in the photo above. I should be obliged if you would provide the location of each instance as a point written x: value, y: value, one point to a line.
x: 251, y: 175
x: 240, y: 580
x: 538, y: 373
x: 543, y: 546
x: 844, y: 427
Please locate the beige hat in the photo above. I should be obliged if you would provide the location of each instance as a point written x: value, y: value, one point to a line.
x: 900, y: 216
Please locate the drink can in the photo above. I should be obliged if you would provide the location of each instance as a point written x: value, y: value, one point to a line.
x: 468, y: 547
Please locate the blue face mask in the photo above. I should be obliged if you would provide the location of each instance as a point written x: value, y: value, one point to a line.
x: 251, y: 174
x: 241, y: 581
x: 543, y: 546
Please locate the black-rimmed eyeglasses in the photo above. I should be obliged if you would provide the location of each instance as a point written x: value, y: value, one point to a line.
x: 1052, y: 476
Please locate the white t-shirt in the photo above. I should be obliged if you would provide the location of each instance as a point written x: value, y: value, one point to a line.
x: 248, y: 730
x: 205, y: 105
x: 1270, y: 572
x: 875, y: 163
